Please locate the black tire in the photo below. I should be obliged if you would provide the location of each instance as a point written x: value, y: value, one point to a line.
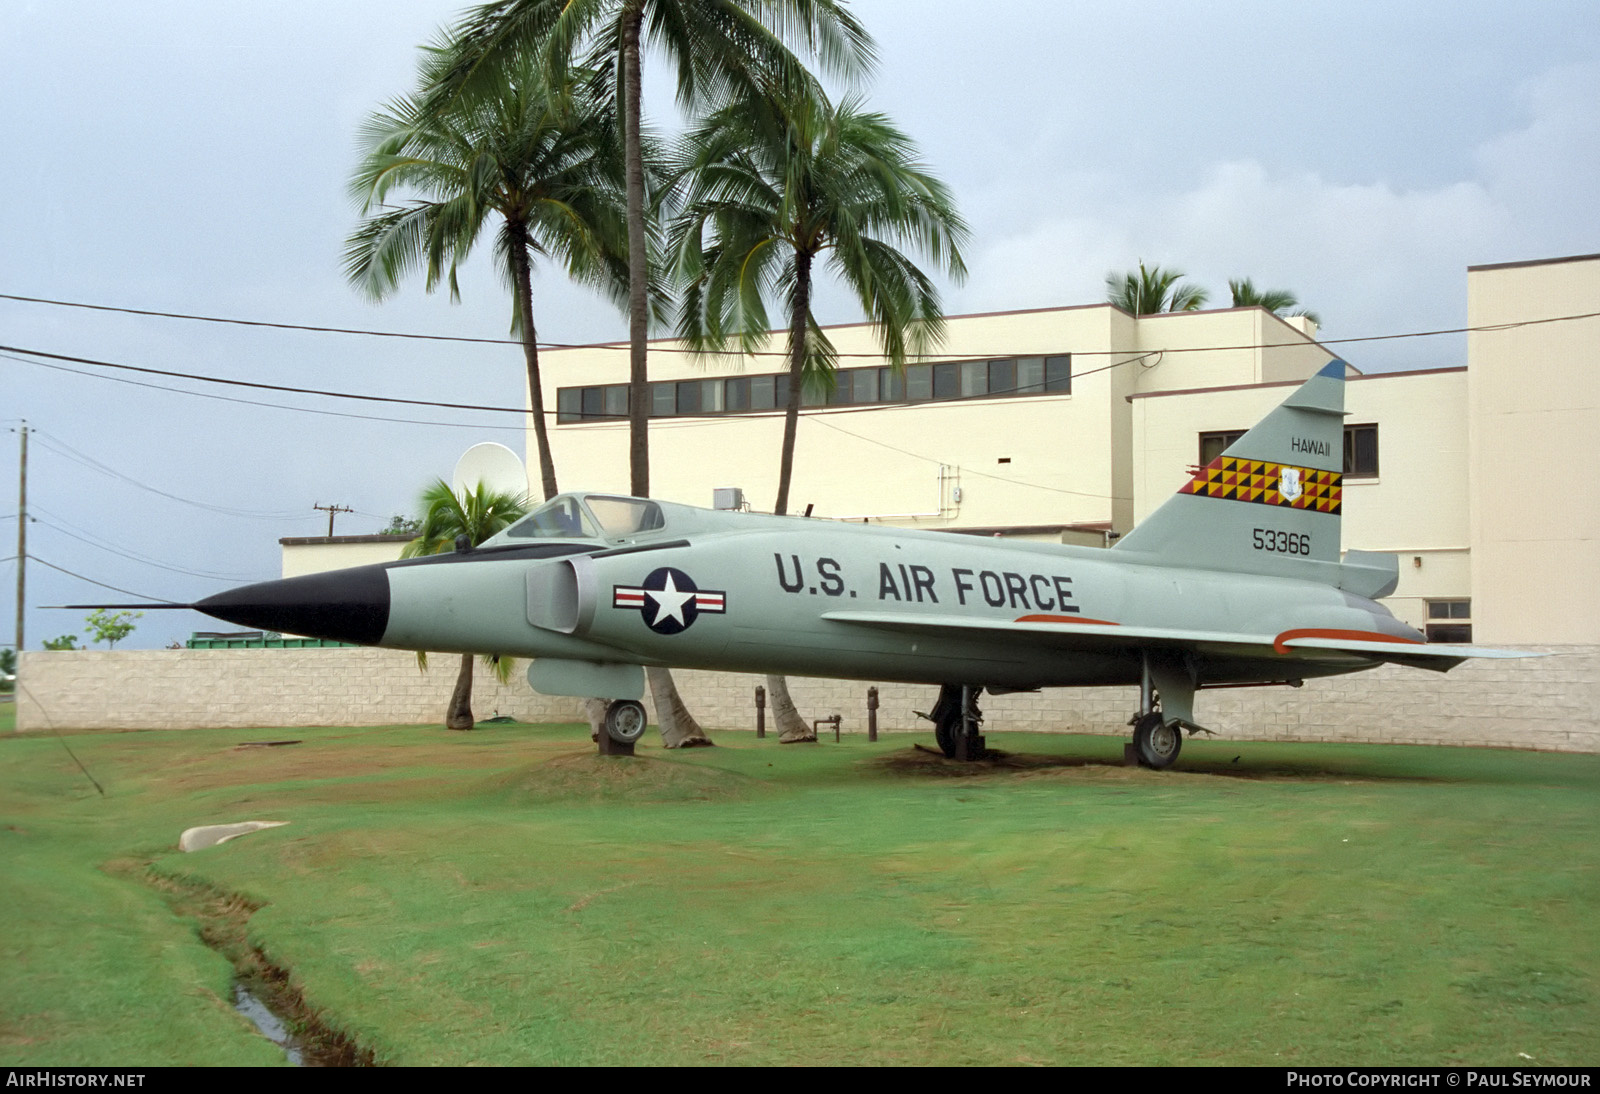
x: 946, y: 715
x: 1157, y: 741
x: 626, y: 721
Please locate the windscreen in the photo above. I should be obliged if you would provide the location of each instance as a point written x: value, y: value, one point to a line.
x: 624, y: 516
x: 558, y: 518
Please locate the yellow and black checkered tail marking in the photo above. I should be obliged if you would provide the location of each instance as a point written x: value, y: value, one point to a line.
x: 1266, y: 483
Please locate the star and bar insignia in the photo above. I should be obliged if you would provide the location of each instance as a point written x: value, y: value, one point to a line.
x: 668, y: 600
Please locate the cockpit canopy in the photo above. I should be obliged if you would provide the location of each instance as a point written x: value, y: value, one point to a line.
x: 587, y: 516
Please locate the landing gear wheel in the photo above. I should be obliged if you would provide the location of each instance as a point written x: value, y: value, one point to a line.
x: 626, y: 721
x: 946, y: 718
x: 1157, y: 741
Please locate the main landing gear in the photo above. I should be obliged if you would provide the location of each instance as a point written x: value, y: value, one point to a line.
x: 625, y: 722
x: 1166, y: 702
x: 956, y: 719
x: 1156, y: 741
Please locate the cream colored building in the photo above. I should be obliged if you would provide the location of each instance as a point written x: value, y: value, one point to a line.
x: 1022, y: 423
x: 314, y: 554
x: 1074, y: 423
x: 1533, y: 398
x: 1481, y: 478
x: 1413, y: 499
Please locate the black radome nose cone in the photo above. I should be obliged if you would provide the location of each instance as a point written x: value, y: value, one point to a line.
x: 340, y: 605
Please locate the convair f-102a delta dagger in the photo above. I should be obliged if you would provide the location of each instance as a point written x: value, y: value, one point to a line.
x: 1236, y: 580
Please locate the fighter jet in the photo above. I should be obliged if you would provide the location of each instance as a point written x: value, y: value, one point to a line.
x: 1236, y: 580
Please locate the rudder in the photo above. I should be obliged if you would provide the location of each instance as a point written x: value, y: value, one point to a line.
x: 1270, y: 503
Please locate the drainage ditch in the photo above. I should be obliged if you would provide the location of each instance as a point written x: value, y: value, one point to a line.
x: 263, y: 991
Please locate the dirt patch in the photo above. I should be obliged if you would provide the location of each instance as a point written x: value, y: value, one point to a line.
x: 590, y: 777
x: 927, y: 763
x: 221, y: 919
x: 254, y: 763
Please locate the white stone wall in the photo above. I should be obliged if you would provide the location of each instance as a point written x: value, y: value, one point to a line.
x: 1545, y: 702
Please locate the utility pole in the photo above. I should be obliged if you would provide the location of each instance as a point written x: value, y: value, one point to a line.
x: 22, y: 537
x: 331, y: 510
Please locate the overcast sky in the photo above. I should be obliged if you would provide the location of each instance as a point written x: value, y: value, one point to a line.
x: 192, y: 157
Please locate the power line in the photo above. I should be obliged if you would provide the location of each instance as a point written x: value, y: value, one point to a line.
x: 524, y: 411
x: 132, y: 557
x: 622, y: 347
x: 114, y: 588
x: 965, y: 470
x: 260, y: 386
x: 259, y: 402
x: 62, y: 448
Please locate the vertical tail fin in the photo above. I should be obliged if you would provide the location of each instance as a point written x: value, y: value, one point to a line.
x: 1270, y: 503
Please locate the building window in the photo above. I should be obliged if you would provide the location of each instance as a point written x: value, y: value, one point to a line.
x: 663, y: 400
x: 569, y: 404
x: 1003, y: 377
x: 1058, y: 375
x: 1361, y: 451
x: 1449, y: 621
x: 583, y: 404
x: 1216, y: 443
x: 946, y: 380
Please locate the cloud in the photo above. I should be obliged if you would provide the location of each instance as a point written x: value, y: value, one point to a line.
x: 1371, y: 256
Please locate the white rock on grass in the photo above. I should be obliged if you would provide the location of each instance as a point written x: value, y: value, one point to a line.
x: 209, y: 835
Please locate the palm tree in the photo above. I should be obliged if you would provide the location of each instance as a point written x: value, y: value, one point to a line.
x: 447, y: 517
x: 717, y: 46
x: 1276, y: 301
x: 1153, y: 291
x: 544, y: 160
x: 776, y: 183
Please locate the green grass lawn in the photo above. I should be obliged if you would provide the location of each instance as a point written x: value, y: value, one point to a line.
x: 506, y: 896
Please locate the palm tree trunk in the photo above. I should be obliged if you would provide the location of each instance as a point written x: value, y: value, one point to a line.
x: 797, y: 360
x: 458, y: 715
x: 785, y: 716
x: 595, y: 711
x: 791, y: 727
x: 523, y: 280
x: 678, y: 727
x: 638, y: 260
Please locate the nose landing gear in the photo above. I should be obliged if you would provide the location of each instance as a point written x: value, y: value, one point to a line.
x: 956, y: 719
x: 625, y: 722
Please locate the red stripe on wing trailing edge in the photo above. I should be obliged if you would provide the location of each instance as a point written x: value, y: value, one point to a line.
x: 1279, y: 643
x: 1064, y: 619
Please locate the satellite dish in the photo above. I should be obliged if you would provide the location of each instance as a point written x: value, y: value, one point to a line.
x: 492, y: 464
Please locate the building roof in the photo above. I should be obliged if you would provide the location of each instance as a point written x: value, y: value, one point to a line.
x: 1293, y: 383
x: 1533, y: 262
x: 319, y: 541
